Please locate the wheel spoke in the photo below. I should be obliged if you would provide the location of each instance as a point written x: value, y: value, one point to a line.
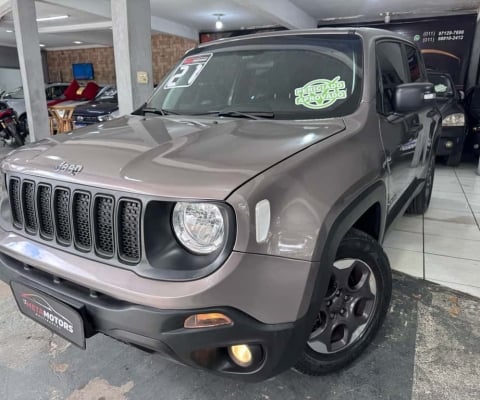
x: 342, y: 272
x: 362, y: 289
x: 323, y: 336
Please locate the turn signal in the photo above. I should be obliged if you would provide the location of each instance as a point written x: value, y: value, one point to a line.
x: 241, y: 355
x: 207, y: 321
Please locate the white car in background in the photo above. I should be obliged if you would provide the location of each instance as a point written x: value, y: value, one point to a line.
x: 16, y: 99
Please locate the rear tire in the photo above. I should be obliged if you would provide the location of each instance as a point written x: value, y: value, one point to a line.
x: 420, y: 203
x: 351, y: 308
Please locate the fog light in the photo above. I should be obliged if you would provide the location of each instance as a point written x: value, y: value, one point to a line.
x: 207, y: 321
x: 241, y: 355
x: 449, y: 144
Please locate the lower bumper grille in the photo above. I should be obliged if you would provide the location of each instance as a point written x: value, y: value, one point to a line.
x: 75, y: 217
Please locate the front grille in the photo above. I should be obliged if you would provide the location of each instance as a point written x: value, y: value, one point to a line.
x: 78, y: 219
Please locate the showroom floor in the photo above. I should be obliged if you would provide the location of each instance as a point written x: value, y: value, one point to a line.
x: 426, y: 350
x: 443, y: 245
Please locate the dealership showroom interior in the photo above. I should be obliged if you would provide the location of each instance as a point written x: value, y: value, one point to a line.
x: 239, y: 199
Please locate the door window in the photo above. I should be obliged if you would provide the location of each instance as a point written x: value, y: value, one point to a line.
x: 414, y: 65
x: 392, y: 72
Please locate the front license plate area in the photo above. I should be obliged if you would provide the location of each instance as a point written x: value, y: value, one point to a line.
x: 54, y: 315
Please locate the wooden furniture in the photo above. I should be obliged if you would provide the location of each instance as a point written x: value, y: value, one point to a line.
x: 62, y: 116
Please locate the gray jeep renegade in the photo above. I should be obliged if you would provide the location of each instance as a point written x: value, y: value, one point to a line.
x: 234, y: 222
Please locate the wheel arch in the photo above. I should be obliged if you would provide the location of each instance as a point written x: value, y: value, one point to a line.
x: 370, y: 203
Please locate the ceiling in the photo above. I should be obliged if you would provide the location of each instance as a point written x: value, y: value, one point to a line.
x: 370, y: 10
x: 89, y: 20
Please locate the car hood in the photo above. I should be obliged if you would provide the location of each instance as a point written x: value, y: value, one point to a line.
x: 95, y: 108
x: 171, y: 157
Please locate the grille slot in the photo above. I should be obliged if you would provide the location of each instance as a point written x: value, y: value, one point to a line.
x: 61, y: 205
x: 28, y: 202
x: 81, y: 220
x: 103, y: 225
x: 129, y: 212
x: 44, y: 204
x: 16, y: 205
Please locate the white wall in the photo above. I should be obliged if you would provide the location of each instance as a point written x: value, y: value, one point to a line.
x: 10, y: 78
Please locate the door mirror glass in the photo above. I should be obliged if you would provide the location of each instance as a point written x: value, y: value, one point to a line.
x: 411, y: 97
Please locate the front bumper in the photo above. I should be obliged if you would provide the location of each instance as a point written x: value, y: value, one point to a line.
x: 451, y: 140
x: 162, y: 331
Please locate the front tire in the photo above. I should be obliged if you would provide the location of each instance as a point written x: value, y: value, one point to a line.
x: 353, y: 309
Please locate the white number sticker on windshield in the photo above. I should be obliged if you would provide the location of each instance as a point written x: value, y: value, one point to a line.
x: 188, y: 71
x: 321, y: 93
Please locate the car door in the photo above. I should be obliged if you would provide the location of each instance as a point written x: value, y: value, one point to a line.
x: 399, y: 133
x: 428, y: 117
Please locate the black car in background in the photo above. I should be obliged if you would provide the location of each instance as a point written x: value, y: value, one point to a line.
x: 102, y: 109
x: 454, y: 129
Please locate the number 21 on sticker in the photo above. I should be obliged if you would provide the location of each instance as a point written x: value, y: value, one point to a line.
x: 188, y: 71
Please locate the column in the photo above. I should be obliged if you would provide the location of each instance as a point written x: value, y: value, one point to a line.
x: 28, y: 47
x: 132, y: 43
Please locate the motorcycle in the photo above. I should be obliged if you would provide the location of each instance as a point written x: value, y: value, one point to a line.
x: 10, y: 129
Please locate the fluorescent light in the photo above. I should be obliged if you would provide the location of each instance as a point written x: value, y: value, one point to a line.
x: 42, y: 45
x: 9, y: 31
x: 53, y: 18
x: 77, y: 42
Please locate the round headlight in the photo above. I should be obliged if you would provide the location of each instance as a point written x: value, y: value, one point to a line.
x: 199, y: 227
x: 105, y: 117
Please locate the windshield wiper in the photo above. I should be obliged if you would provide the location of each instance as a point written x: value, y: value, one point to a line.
x: 250, y: 115
x: 158, y: 111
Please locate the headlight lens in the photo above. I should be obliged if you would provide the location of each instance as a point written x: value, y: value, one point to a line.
x: 200, y: 227
x: 457, y: 119
x: 106, y: 117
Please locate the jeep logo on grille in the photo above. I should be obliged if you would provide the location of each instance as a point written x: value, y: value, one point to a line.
x: 72, y: 169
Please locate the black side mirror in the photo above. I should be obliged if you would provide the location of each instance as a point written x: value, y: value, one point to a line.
x: 411, y: 97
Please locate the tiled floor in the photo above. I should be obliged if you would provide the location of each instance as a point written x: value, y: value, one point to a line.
x: 443, y: 246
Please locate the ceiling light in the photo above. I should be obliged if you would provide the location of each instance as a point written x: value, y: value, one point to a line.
x: 219, y: 22
x: 42, y: 45
x: 77, y: 42
x: 9, y: 31
x: 53, y: 18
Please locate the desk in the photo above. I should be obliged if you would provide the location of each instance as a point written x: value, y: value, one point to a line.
x: 62, y: 114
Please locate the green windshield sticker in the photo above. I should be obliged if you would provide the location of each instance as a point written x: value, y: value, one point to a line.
x: 320, y: 93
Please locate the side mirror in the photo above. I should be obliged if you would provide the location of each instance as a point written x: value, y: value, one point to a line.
x: 411, y: 97
x: 461, y: 95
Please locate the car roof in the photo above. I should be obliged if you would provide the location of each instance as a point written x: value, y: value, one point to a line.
x: 367, y: 34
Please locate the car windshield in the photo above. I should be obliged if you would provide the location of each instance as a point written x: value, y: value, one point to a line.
x: 108, y: 96
x: 307, y: 78
x: 442, y: 84
x: 15, y: 94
